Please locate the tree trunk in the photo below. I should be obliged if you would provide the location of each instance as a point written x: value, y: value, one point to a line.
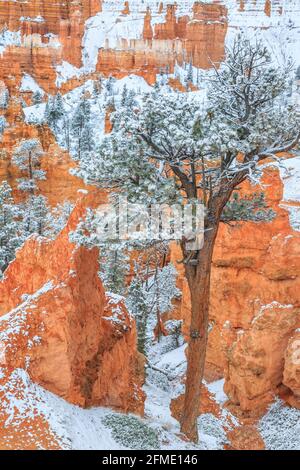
x: 199, y: 285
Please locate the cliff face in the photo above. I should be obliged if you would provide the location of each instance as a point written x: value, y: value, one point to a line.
x: 66, y: 335
x: 49, y: 33
x: 60, y: 185
x: 197, y: 37
x: 37, y: 20
x: 120, y: 37
x: 255, y: 309
x: 58, y: 324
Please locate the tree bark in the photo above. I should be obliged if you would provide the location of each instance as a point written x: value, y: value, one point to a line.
x: 199, y: 285
x: 198, y: 277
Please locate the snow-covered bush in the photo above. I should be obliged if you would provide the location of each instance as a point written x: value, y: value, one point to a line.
x: 3, y: 124
x: 131, y: 432
x: 212, y: 431
x: 27, y: 157
x: 280, y: 427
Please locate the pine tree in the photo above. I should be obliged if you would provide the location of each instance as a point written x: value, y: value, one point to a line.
x: 124, y: 96
x: 54, y: 111
x: 86, y: 139
x: 109, y: 86
x: 27, y: 157
x: 81, y: 127
x: 190, y: 75
x: 114, y: 267
x: 172, y: 147
x: 10, y: 236
x: 59, y: 106
x: 4, y: 99
x: 47, y: 114
x: 97, y: 87
x: 35, y: 215
x: 19, y: 221
x: 131, y: 99
x: 58, y: 218
x: 156, y: 86
x: 138, y: 306
x: 3, y: 124
x: 37, y: 97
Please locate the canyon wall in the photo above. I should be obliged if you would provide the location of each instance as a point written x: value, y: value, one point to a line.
x: 255, y: 280
x: 58, y: 324
x: 39, y: 20
x: 254, y: 306
x: 62, y: 44
x: 197, y: 38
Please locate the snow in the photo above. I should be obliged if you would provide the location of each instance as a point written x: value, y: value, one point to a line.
x: 280, y: 427
x: 132, y: 82
x: 17, y: 315
x: 83, y: 429
x: 73, y: 427
x: 65, y: 71
x: 9, y: 38
x: 29, y: 84
x: 290, y: 175
x: 217, y: 389
x: 36, y: 19
x: 35, y: 114
x: 272, y: 305
x: 173, y: 359
x: 111, y: 29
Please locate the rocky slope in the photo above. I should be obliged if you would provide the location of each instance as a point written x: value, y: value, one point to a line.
x: 255, y: 310
x: 58, y: 324
x: 60, y: 332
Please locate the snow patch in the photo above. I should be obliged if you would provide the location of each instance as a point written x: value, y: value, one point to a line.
x: 66, y: 71
x: 290, y: 175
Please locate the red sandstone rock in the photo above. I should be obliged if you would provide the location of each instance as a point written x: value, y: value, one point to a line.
x: 254, y: 264
x: 245, y: 438
x: 199, y: 39
x: 208, y: 405
x: 60, y: 184
x: 59, y: 325
x: 268, y: 7
x: 147, y: 32
x: 27, y: 431
x: 126, y: 10
x: 63, y: 18
x: 291, y: 372
x: 256, y: 359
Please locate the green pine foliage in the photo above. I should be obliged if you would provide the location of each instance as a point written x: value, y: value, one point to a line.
x: 249, y: 208
x: 131, y: 432
x: 114, y: 267
x: 10, y: 226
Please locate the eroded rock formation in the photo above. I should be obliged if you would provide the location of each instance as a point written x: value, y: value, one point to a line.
x: 58, y: 324
x: 255, y: 308
x: 197, y: 37
x: 37, y: 20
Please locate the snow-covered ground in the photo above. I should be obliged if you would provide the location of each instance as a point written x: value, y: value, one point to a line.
x: 74, y: 428
x: 290, y: 174
x: 111, y: 29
